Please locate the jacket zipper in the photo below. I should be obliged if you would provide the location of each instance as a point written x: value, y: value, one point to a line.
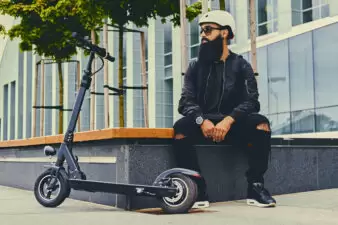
x: 246, y: 86
x: 220, y: 101
x: 206, y: 87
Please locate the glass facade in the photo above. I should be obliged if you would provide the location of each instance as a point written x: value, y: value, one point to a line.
x: 298, y: 81
x: 304, y: 11
x: 297, y: 75
x: 266, y: 16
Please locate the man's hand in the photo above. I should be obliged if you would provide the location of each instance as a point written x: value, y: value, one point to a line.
x: 222, y: 128
x: 207, y: 128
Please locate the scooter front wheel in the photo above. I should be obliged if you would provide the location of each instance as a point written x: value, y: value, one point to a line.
x: 185, y: 197
x: 50, y: 189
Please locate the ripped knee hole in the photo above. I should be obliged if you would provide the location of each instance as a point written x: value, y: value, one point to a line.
x: 263, y: 126
x: 179, y: 136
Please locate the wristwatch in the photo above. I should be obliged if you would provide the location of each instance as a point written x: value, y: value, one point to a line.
x: 199, y: 120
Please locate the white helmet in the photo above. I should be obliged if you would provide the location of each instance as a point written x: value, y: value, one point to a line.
x: 222, y: 18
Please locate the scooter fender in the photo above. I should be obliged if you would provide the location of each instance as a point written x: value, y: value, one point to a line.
x: 168, y: 173
x: 60, y: 171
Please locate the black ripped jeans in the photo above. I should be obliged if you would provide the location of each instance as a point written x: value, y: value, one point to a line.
x: 243, y: 134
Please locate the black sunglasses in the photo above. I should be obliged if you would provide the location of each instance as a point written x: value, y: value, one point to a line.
x: 208, y: 29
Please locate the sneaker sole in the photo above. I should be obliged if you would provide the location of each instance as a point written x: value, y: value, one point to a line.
x: 201, y: 205
x: 253, y: 202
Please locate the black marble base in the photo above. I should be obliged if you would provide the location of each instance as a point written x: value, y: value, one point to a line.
x: 293, y: 168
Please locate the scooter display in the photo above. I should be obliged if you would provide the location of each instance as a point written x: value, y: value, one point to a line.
x: 175, y: 189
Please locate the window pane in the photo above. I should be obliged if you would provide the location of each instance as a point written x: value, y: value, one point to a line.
x: 168, y: 72
x: 303, y: 121
x: 262, y: 29
x: 168, y: 60
x: 278, y: 73
x: 5, y: 112
x: 326, y: 65
x: 194, y: 29
x: 228, y: 6
x: 275, y: 26
x: 280, y: 123
x: 194, y: 51
x: 124, y: 72
x: 296, y: 4
x: 194, y: 32
x: 301, y: 72
x: 269, y: 26
x: 261, y: 11
x: 307, y: 16
x: 316, y: 13
x: 12, y: 108
x: 124, y: 56
x: 327, y: 119
x: 167, y: 38
x: 307, y: 4
x: 263, y: 79
x: 325, y: 11
x: 273, y: 6
x: 296, y: 18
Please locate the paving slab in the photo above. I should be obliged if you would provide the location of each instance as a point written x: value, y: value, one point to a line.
x: 18, y: 207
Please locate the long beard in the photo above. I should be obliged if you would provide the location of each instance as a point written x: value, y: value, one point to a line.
x: 211, y: 51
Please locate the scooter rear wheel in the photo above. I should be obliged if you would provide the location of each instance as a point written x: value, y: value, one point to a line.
x: 185, y: 197
x: 51, y: 190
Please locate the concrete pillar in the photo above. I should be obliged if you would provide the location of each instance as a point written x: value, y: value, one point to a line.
x: 284, y: 16
x: 55, y: 114
x: 24, y: 102
x: 66, y: 94
x: 176, y: 67
x: 112, y: 72
x: 333, y: 7
x: 155, y: 71
x: 242, y: 35
x: 133, y: 73
x: 10, y: 125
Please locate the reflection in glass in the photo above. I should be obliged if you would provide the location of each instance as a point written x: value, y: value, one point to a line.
x: 303, y: 121
x: 280, y: 123
x: 325, y: 52
x: 301, y: 72
x: 327, y: 119
x: 266, y: 16
x: 304, y: 11
x: 167, y: 37
x: 168, y: 72
x: 278, y: 77
x: 262, y: 79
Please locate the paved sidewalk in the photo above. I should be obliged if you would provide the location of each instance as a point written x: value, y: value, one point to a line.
x: 19, y: 207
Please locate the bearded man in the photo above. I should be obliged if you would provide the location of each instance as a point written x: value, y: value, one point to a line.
x: 219, y: 101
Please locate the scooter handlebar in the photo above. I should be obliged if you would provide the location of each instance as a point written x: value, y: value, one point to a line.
x: 98, y: 50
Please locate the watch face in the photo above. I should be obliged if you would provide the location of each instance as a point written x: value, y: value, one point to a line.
x: 199, y: 120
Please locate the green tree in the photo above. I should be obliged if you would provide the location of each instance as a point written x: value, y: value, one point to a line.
x: 222, y: 4
x: 46, y: 35
x: 2, y: 30
x: 120, y: 13
x: 44, y: 27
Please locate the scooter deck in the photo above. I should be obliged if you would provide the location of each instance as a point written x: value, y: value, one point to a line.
x: 119, y: 188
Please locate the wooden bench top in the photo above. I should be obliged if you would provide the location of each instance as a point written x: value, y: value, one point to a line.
x: 104, y: 134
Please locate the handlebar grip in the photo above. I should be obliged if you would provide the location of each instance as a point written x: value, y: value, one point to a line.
x: 98, y: 50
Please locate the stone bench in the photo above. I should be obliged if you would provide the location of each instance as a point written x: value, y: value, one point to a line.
x: 137, y: 156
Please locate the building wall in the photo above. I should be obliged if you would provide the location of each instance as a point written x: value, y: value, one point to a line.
x: 9, y: 82
x: 292, y: 58
x: 297, y: 81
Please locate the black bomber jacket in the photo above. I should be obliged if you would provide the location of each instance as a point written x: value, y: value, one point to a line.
x: 239, y: 91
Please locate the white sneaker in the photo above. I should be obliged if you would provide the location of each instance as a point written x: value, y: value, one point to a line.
x: 201, y: 205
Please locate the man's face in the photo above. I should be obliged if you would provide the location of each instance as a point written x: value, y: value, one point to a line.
x: 210, y: 32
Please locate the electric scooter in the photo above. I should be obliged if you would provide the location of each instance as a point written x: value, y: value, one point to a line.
x: 176, y: 189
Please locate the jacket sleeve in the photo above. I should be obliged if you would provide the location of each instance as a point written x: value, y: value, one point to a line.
x: 188, y: 105
x: 250, y: 103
